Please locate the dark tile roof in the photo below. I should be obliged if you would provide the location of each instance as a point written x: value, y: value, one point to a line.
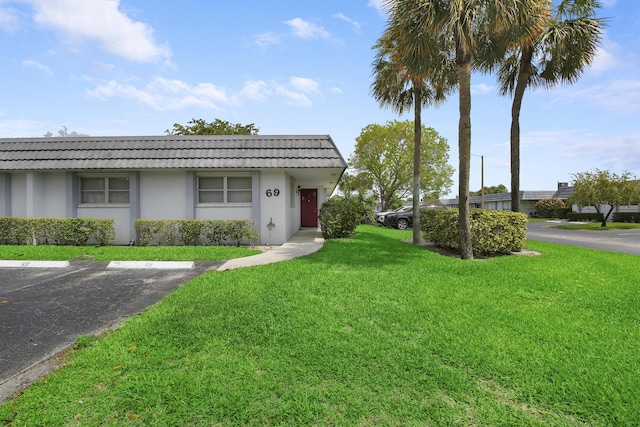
x: 563, y: 192
x: 524, y: 195
x: 170, y: 152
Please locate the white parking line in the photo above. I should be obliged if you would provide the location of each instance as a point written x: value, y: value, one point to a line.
x: 163, y: 265
x: 34, y: 264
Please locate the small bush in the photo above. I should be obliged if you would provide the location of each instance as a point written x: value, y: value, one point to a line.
x: 546, y: 208
x: 339, y: 217
x: 492, y: 232
x: 585, y: 217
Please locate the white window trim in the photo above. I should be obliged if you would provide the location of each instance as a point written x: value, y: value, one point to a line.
x: 106, y: 204
x: 224, y: 204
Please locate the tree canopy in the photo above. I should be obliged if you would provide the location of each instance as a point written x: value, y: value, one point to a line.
x: 494, y: 189
x: 217, y: 127
x: 385, y: 154
x: 600, y: 188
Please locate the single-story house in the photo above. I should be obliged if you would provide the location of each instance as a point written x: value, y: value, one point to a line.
x: 564, y: 191
x: 502, y: 201
x: 277, y: 181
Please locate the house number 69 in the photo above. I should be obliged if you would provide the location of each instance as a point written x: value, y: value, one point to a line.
x: 271, y: 192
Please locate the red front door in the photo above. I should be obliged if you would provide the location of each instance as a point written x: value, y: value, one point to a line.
x: 309, y: 208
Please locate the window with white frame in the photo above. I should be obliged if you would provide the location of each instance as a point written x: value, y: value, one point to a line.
x: 225, y: 189
x: 104, y: 190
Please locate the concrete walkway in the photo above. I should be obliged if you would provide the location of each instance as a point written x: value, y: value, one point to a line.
x: 303, y: 242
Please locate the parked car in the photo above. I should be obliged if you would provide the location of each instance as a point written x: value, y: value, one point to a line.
x: 404, y: 220
x: 379, y: 216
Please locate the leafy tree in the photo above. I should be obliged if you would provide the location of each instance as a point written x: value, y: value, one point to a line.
x: 464, y: 26
x: 217, y: 127
x: 411, y: 71
x: 360, y: 182
x: 604, y: 188
x: 385, y: 154
x: 496, y: 189
x: 564, y: 46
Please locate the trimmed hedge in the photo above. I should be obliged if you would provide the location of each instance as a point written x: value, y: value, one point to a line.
x: 59, y: 231
x: 561, y: 213
x: 340, y: 217
x: 193, y: 232
x: 492, y: 232
x: 626, y: 217
x: 586, y: 217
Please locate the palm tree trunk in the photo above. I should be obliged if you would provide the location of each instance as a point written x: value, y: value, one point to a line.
x: 463, y: 60
x: 521, y: 85
x: 417, y: 148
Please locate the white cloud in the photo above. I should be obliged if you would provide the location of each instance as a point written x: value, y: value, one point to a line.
x: 617, y: 152
x: 307, y: 30
x: 294, y: 98
x: 21, y: 128
x: 621, y: 96
x: 8, y: 20
x: 345, y: 18
x: 481, y: 89
x: 606, y: 57
x: 379, y: 6
x: 257, y: 90
x: 101, y: 21
x: 304, y: 84
x: 165, y: 94
x: 38, y: 66
x: 267, y: 39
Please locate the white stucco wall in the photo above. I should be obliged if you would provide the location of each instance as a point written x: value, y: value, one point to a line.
x: 54, y: 195
x: 19, y: 194
x: 272, y: 208
x: 163, y: 195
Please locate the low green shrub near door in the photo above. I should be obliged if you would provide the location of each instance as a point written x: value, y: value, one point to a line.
x: 492, y: 232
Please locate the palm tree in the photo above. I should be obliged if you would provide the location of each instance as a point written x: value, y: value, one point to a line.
x: 564, y: 47
x: 417, y: 75
x: 463, y: 25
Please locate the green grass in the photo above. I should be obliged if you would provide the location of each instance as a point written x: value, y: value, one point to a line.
x: 124, y: 253
x: 368, y: 331
x: 597, y: 226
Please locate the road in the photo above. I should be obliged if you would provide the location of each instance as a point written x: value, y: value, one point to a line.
x: 625, y: 241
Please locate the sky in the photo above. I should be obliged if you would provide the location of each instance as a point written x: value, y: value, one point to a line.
x: 136, y: 67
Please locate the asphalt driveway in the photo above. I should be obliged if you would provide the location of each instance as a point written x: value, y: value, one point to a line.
x: 624, y: 241
x: 44, y: 310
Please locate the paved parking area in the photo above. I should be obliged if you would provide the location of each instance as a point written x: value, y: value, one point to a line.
x: 44, y: 310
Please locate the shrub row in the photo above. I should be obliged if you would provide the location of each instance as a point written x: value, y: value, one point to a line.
x: 586, y: 217
x: 561, y: 213
x: 194, y: 232
x: 626, y: 217
x: 492, y: 232
x: 59, y: 231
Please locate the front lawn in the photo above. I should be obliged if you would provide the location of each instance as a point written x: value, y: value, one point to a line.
x: 368, y: 331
